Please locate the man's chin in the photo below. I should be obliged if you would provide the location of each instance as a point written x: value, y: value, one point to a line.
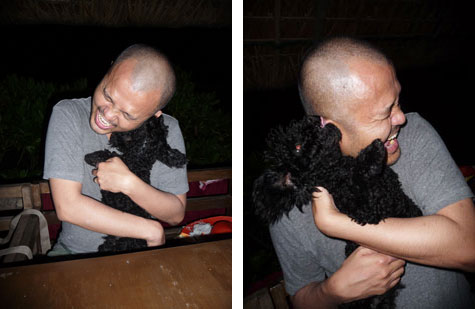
x: 393, y: 158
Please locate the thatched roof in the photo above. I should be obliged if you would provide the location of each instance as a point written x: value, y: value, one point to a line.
x: 412, y: 32
x: 156, y: 13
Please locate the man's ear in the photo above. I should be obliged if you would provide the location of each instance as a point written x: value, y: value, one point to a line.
x: 158, y: 114
x: 325, y: 121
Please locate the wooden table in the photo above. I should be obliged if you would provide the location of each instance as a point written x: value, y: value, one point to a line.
x: 192, y: 276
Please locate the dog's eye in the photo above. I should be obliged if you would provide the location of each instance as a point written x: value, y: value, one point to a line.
x: 298, y: 147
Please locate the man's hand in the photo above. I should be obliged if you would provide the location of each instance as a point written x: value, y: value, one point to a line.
x: 366, y: 273
x: 113, y: 175
x: 363, y: 274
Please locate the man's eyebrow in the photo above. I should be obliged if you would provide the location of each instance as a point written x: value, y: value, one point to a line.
x: 390, y: 107
x: 108, y: 97
x: 130, y: 116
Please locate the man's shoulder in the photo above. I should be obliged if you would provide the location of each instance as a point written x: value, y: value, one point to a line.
x: 294, y: 220
x: 174, y: 131
x: 169, y: 120
x: 81, y: 105
x: 417, y: 129
x: 415, y: 120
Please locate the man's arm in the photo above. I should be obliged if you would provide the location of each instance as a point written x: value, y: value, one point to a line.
x: 363, y: 274
x: 170, y: 208
x: 113, y: 175
x: 76, y: 208
x: 445, y: 239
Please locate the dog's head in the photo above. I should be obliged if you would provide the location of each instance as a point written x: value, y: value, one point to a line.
x: 302, y: 147
x: 295, y: 155
x: 148, y: 142
x: 135, y: 140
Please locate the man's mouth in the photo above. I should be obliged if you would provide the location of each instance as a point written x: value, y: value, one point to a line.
x: 392, y: 143
x: 102, y: 122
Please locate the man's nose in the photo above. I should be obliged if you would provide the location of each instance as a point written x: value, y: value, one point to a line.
x: 110, y: 113
x: 398, y: 118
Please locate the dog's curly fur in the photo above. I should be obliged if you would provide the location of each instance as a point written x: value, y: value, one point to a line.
x: 305, y: 155
x: 140, y: 149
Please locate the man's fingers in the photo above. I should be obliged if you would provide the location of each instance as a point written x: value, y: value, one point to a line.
x: 397, y: 273
x: 393, y: 282
x: 397, y: 263
x: 320, y: 191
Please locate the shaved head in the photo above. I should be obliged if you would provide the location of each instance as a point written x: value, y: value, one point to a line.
x: 152, y: 71
x: 327, y: 81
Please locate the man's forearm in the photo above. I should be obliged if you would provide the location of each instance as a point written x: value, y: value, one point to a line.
x: 73, y: 207
x: 93, y: 215
x: 162, y: 205
x: 436, y: 240
x: 315, y: 295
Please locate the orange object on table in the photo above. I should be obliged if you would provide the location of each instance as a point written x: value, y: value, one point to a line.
x: 220, y: 224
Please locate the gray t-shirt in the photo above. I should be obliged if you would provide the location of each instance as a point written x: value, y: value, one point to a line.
x: 70, y: 138
x: 431, y: 178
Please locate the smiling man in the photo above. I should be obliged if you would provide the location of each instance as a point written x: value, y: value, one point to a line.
x: 137, y: 86
x: 354, y: 86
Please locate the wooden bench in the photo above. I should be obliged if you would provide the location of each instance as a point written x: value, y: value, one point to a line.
x: 272, y: 297
x: 29, y: 195
x: 14, y: 199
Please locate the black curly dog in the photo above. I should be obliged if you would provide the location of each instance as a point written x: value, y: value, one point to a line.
x: 305, y: 155
x: 140, y: 149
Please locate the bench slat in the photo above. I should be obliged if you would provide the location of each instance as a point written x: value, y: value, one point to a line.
x: 209, y: 202
x: 209, y: 174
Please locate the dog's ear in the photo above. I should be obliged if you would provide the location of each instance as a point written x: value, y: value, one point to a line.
x: 333, y: 133
x: 371, y: 161
x: 274, y: 195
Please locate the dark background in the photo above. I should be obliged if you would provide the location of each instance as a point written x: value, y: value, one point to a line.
x: 50, y: 43
x: 428, y: 41
x: 66, y: 52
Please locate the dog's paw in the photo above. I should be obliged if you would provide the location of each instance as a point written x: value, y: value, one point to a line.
x: 98, y: 156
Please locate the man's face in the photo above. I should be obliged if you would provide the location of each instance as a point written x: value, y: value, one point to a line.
x: 375, y: 110
x: 116, y: 106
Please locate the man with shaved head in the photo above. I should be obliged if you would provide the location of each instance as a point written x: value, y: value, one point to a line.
x: 354, y: 86
x: 138, y: 85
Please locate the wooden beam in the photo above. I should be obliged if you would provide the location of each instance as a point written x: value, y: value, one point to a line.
x: 209, y: 174
x: 209, y: 202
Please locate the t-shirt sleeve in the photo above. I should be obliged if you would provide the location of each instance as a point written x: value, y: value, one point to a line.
x: 164, y: 178
x: 436, y: 179
x: 63, y: 143
x: 299, y: 266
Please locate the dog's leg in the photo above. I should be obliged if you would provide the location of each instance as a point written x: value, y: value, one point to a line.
x: 99, y: 156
